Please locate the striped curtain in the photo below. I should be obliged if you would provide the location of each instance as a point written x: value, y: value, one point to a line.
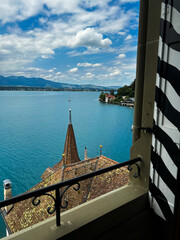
x: 165, y: 158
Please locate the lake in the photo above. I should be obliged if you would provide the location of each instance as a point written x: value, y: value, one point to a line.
x: 33, y: 128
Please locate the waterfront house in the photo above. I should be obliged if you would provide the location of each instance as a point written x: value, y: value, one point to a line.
x: 109, y: 97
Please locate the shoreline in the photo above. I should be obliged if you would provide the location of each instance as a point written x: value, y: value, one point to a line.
x: 131, y: 105
x: 46, y: 89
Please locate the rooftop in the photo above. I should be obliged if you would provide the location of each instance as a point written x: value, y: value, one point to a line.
x: 109, y: 96
x: 25, y: 214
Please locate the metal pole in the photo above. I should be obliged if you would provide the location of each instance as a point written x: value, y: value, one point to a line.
x: 69, y: 116
x: 100, y: 150
x: 57, y: 205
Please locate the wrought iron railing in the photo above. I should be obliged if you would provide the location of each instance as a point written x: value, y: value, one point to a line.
x: 58, y: 205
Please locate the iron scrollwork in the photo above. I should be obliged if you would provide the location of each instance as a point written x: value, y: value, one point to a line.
x: 136, y: 174
x: 52, y: 209
x: 36, y: 202
x: 64, y: 191
x: 61, y: 187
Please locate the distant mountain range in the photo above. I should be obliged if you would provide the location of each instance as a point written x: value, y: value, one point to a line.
x: 16, y: 82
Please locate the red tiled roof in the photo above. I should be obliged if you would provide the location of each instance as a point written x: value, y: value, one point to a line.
x: 24, y: 214
x: 110, y: 96
x: 49, y: 171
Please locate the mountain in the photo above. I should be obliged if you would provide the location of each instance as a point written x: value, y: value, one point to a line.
x: 20, y: 81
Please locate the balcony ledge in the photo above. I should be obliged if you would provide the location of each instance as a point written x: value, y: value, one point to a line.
x: 81, y: 215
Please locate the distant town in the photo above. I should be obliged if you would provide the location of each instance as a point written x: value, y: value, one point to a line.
x: 24, y: 88
x: 123, y: 97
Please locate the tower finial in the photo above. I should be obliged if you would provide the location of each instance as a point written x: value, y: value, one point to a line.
x: 69, y: 116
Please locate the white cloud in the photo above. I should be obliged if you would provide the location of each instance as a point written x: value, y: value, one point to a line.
x: 43, y: 20
x: 73, y: 70
x: 126, y: 64
x: 116, y: 72
x: 111, y: 72
x: 46, y: 56
x: 33, y: 69
x: 20, y: 10
x: 20, y: 49
x: 129, y: 37
x: 129, y: 66
x: 121, y: 33
x: 127, y: 48
x: 58, y: 73
x: 118, y: 23
x: 89, y: 38
x: 89, y: 64
x: 89, y: 75
x: 122, y: 55
x: 83, y: 32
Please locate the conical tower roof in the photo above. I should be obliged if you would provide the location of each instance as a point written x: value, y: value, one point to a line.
x: 70, y: 154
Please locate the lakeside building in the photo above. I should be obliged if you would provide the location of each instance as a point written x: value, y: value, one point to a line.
x: 24, y: 214
x: 126, y: 101
x: 129, y: 102
x: 109, y: 98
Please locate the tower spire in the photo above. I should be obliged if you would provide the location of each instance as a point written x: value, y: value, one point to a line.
x: 70, y: 154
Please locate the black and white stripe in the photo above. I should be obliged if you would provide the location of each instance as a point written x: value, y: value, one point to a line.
x: 165, y: 157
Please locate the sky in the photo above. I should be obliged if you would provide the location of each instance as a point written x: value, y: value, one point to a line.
x: 70, y: 41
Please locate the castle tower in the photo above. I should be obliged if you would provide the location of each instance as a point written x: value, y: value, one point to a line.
x: 70, y: 154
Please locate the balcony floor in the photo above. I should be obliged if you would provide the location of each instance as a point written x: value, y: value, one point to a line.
x: 145, y: 225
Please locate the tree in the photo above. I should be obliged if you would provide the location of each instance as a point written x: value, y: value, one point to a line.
x: 122, y: 91
x: 133, y: 85
x: 102, y: 96
x: 126, y: 90
x: 112, y: 92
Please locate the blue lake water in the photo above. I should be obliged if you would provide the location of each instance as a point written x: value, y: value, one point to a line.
x: 33, y: 128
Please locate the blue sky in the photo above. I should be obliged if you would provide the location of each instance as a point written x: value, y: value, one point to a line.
x: 70, y: 41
